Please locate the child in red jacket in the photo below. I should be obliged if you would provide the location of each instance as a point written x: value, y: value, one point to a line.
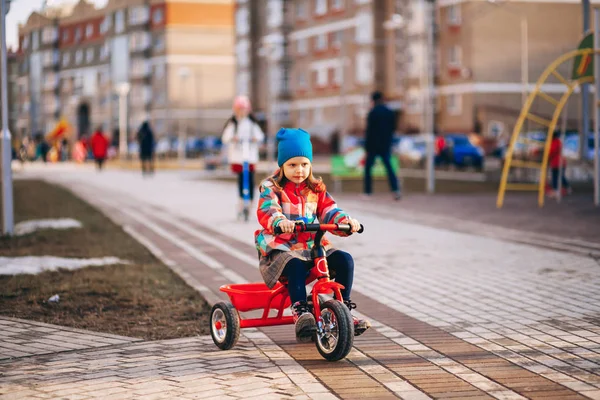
x: 292, y: 194
x: 557, y: 162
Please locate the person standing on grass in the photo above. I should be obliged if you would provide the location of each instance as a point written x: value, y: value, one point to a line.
x: 381, y: 125
x: 145, y: 138
x: 99, y: 144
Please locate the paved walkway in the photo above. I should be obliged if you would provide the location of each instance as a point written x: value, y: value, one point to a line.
x: 454, y: 315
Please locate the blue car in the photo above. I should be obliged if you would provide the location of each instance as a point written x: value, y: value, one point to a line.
x: 463, y: 153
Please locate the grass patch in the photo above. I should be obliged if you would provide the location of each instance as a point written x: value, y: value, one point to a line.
x: 144, y: 299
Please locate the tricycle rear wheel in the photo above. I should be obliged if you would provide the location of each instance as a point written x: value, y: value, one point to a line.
x: 335, y: 335
x: 224, y: 325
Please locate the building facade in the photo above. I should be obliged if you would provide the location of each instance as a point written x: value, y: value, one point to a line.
x: 12, y: 73
x: 489, y: 57
x: 175, y: 56
x: 315, y: 62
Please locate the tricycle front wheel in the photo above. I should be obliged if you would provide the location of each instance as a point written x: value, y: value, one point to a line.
x: 335, y: 331
x: 224, y: 325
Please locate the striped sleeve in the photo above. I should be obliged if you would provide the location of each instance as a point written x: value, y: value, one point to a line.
x: 329, y: 212
x: 269, y: 210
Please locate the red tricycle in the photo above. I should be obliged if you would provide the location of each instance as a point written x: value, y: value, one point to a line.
x: 335, y: 330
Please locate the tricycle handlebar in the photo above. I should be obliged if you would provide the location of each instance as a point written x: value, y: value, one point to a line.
x: 301, y: 227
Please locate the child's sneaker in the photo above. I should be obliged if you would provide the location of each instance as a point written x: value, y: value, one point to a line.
x: 360, y: 325
x: 306, y: 326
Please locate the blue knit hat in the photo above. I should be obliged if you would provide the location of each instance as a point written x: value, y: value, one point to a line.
x: 293, y: 142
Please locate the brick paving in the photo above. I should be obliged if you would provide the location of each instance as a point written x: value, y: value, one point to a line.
x: 457, y: 316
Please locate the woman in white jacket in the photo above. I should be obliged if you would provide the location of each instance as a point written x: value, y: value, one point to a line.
x: 240, y: 129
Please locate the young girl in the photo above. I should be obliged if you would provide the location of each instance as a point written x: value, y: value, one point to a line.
x: 240, y: 128
x: 292, y: 194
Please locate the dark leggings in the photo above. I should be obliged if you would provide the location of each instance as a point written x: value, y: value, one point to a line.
x: 250, y: 184
x: 296, y: 272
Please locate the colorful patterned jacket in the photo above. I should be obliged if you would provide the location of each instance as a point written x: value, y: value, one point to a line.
x: 293, y: 202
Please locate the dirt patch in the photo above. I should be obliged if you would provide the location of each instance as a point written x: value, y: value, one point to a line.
x: 144, y: 299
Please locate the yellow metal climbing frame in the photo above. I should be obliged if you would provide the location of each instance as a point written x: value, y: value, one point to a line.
x: 549, y: 124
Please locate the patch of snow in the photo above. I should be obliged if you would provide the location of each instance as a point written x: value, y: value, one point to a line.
x: 25, y: 227
x: 37, y: 264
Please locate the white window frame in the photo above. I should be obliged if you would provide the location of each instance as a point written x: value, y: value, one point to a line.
x: 78, y: 34
x: 242, y: 21
x: 105, y: 51
x: 453, y: 15
x: 139, y: 14
x: 320, y: 7
x: 322, y: 77
x: 158, y: 16
x: 106, y: 24
x: 302, y: 46
x: 78, y: 57
x: 159, y: 43
x: 454, y: 104
x: 49, y: 34
x: 119, y: 21
x: 338, y: 75
x: 364, y: 28
x: 274, y: 13
x: 338, y: 37
x: 66, y: 59
x: 25, y: 43
x: 455, y: 56
x: 66, y: 35
x: 321, y: 42
x: 301, y: 10
x: 35, y: 40
x: 302, y: 80
x: 159, y: 71
x: 89, y: 55
x: 89, y: 30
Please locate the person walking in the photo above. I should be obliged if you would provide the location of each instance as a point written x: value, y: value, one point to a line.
x: 145, y: 138
x: 99, y: 144
x: 381, y: 125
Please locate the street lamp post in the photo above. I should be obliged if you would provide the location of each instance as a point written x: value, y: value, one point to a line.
x: 268, y: 50
x: 7, y: 187
x: 122, y: 90
x: 184, y: 74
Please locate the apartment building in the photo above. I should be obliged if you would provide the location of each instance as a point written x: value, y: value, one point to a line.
x: 316, y: 61
x: 175, y: 55
x: 480, y: 63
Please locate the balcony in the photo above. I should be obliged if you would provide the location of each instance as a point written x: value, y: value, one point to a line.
x: 140, y: 42
x: 141, y: 69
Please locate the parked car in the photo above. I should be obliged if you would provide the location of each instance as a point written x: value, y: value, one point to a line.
x: 463, y: 153
x: 411, y: 150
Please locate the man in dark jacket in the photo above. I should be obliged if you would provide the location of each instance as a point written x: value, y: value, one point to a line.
x: 145, y: 138
x: 381, y: 125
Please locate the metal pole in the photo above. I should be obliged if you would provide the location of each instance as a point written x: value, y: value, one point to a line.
x: 183, y: 123
x: 7, y: 187
x: 272, y: 106
x: 585, y: 94
x: 430, y: 105
x: 596, y: 97
x: 123, y: 91
x: 563, y: 130
x: 342, y: 134
x: 524, y: 60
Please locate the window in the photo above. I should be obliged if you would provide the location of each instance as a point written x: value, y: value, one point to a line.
x: 157, y: 16
x: 454, y: 56
x: 243, y: 83
x: 302, y: 46
x: 453, y: 15
x: 242, y: 50
x: 338, y: 36
x: 77, y: 34
x: 414, y: 102
x: 454, y: 104
x: 302, y: 80
x: 321, y: 42
x: 301, y: 9
x: 89, y: 55
x: 274, y: 13
x: 25, y: 43
x: 104, y: 51
x: 159, y: 44
x: 322, y: 77
x: 338, y: 74
x: 139, y: 41
x: 139, y: 15
x: 241, y: 21
x: 364, y: 68
x: 78, y: 57
x: 65, y: 35
x: 119, y: 21
x: 321, y: 7
x: 106, y: 24
x: 159, y: 71
x: 49, y: 34
x: 337, y: 5
x: 364, y: 28
x: 89, y: 30
x: 66, y: 59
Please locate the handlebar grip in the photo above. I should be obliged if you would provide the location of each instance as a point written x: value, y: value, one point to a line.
x: 361, y: 230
